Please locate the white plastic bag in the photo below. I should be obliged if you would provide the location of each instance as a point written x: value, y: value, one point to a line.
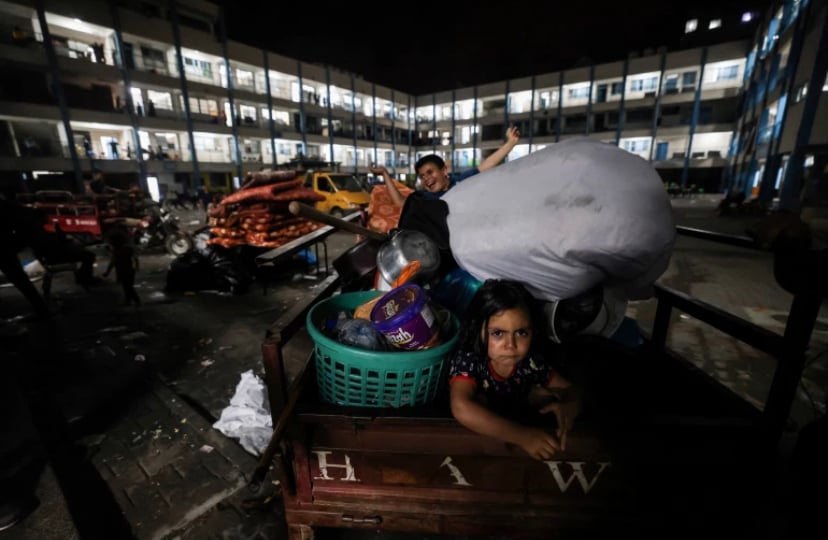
x: 563, y: 219
x: 247, y: 418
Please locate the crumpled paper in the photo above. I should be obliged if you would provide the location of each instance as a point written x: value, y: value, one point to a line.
x: 247, y: 418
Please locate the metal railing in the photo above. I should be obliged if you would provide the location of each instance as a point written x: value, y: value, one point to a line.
x: 788, y: 349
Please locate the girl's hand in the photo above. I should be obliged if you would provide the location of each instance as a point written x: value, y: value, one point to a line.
x: 565, y: 413
x: 539, y: 444
x: 513, y: 135
x: 378, y: 170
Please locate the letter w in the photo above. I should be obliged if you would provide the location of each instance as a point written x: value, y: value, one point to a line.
x: 577, y: 472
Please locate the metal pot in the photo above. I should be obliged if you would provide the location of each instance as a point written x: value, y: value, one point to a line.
x: 403, y: 248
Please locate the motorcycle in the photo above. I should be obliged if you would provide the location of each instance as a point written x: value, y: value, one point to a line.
x: 160, y: 228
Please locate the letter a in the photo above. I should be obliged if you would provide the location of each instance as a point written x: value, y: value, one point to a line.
x: 460, y: 480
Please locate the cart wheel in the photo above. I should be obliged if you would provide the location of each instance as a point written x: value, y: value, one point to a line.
x: 178, y: 244
x: 337, y: 213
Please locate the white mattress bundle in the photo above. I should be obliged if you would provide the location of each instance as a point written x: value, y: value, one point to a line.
x: 564, y: 219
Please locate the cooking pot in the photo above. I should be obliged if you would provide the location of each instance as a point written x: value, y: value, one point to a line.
x: 398, y: 249
x: 403, y: 248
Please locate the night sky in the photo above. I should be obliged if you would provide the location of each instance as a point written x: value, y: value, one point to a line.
x: 450, y: 44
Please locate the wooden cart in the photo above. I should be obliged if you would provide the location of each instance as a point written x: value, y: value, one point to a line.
x: 661, y: 449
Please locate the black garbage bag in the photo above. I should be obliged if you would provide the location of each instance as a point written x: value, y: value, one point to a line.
x: 213, y: 268
x: 229, y: 271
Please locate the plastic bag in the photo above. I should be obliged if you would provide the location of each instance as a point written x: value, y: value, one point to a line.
x: 248, y: 418
x: 563, y: 219
x: 213, y: 268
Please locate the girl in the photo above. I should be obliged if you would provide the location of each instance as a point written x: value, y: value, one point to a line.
x: 497, y: 372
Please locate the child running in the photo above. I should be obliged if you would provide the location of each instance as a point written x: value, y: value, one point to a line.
x: 498, y: 376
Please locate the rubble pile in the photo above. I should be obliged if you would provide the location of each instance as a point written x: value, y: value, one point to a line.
x: 257, y: 214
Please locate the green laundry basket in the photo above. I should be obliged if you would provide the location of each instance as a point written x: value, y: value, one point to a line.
x: 363, y: 378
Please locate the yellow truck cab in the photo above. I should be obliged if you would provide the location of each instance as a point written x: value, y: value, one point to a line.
x: 342, y: 191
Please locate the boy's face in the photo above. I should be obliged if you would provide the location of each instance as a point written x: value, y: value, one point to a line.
x: 434, y: 179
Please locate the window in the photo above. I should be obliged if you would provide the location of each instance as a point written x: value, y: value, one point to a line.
x: 801, y: 92
x: 198, y: 68
x: 617, y: 88
x: 248, y: 114
x: 727, y: 73
x: 688, y: 78
x: 714, y: 23
x: 636, y: 145
x: 161, y: 100
x: 279, y: 117
x: 153, y: 58
x: 207, y: 143
x: 670, y: 83
x: 691, y: 25
x: 244, y: 78
x: 643, y: 85
x: 203, y: 106
x: 579, y: 92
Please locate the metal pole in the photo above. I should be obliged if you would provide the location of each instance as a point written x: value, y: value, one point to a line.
x: 184, y: 92
x: 330, y: 116
x: 233, y: 123
x: 374, y: 118
x: 588, y: 128
x: 133, y: 117
x: 270, y: 123
x: 694, y: 120
x: 453, y: 127
x: 657, y: 110
x: 57, y: 88
x: 620, y: 126
x: 302, y: 129
x: 353, y: 123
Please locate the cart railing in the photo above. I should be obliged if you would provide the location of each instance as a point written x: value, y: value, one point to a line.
x: 789, y: 349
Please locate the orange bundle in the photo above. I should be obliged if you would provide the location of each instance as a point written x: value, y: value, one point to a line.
x: 383, y: 214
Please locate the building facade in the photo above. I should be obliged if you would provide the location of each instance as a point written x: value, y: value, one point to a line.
x: 155, y: 92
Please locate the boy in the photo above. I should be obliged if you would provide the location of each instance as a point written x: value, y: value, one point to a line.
x: 434, y: 174
x: 424, y: 211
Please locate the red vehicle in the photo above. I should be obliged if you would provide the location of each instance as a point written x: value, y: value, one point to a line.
x: 93, y: 218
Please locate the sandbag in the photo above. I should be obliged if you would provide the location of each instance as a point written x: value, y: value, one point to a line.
x: 564, y: 219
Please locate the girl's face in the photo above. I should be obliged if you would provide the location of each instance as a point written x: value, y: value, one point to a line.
x: 509, y: 334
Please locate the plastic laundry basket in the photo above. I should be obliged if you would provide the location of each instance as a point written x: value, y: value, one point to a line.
x: 364, y: 378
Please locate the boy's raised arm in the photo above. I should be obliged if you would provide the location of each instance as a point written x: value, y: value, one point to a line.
x: 512, y: 138
x: 393, y: 191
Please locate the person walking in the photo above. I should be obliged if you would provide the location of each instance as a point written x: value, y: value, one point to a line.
x: 125, y: 262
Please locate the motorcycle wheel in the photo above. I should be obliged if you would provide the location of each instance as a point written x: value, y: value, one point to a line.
x: 178, y: 244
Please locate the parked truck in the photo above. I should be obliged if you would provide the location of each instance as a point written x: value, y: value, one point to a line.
x: 343, y: 192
